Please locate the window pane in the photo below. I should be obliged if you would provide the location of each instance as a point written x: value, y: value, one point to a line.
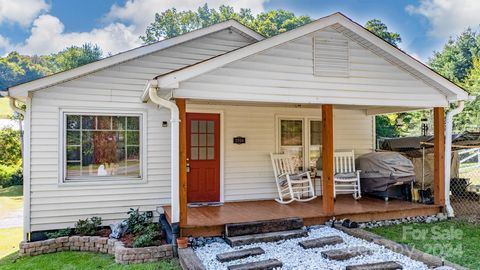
x: 291, y: 132
x: 119, y: 122
x: 315, y: 158
x: 73, y: 153
x: 210, y: 127
x: 202, y: 140
x: 104, y: 122
x: 73, y: 122
x: 73, y: 137
x: 133, y: 137
x: 202, y: 153
x: 315, y: 132
x: 133, y: 123
x: 194, y: 126
x: 73, y: 169
x: 297, y: 155
x: 211, y: 139
x: 211, y: 153
x: 133, y: 152
x: 88, y: 122
x: 194, y: 153
x: 202, y: 126
x: 194, y: 139
x: 103, y: 151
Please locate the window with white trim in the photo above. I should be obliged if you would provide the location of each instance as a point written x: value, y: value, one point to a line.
x: 102, y: 146
x: 301, y: 138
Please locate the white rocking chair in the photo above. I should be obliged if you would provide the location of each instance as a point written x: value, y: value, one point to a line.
x: 346, y: 178
x: 291, y: 185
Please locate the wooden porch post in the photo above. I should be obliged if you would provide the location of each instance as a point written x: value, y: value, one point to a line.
x: 181, y: 104
x: 327, y: 159
x: 439, y: 155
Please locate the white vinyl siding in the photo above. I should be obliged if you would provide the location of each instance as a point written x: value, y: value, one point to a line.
x: 117, y: 88
x: 330, y: 56
x: 285, y: 73
x: 248, y: 173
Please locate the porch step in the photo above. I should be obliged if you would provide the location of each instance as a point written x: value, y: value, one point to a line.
x: 259, y: 265
x: 236, y: 241
x: 263, y: 226
x: 390, y: 265
x: 239, y: 254
x: 345, y: 254
x: 321, y: 242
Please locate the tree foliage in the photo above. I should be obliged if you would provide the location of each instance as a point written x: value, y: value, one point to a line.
x: 10, y: 150
x: 171, y: 22
x: 16, y: 68
x: 380, y: 29
x: 456, y: 58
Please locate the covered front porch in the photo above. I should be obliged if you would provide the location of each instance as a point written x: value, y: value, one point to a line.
x: 211, y: 220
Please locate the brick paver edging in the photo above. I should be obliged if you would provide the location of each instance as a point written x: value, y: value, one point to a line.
x: 97, y: 244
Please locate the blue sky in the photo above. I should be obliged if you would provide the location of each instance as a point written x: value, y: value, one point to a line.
x: 46, y: 26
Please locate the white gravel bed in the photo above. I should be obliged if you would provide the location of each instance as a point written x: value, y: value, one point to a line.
x: 295, y: 257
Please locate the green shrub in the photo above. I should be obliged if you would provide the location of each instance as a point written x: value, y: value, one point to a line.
x: 11, y: 175
x: 136, y: 221
x: 149, y: 237
x: 88, y: 226
x: 11, y: 151
x: 59, y: 233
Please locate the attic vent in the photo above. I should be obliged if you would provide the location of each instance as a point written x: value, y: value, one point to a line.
x: 330, y: 57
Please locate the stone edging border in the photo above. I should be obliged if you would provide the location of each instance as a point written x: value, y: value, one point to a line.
x: 428, y: 259
x: 97, y: 244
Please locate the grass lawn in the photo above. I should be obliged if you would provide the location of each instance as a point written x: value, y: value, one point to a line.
x: 456, y: 241
x: 11, y: 198
x: 70, y: 260
x: 5, y: 110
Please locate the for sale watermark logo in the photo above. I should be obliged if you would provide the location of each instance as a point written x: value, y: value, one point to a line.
x: 435, y: 240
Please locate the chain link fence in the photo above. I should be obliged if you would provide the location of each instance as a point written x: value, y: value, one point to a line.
x: 465, y: 189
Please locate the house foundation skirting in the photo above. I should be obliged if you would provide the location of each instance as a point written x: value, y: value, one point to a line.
x: 97, y: 244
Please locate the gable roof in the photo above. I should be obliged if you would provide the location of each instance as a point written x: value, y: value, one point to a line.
x: 23, y: 88
x: 340, y: 23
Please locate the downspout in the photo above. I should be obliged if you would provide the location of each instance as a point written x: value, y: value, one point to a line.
x: 175, y: 153
x: 448, y: 154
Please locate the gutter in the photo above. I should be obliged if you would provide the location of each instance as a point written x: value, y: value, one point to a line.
x: 152, y: 88
x: 14, y: 107
x: 448, y: 153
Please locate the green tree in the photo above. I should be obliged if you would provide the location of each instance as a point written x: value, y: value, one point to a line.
x: 456, y: 58
x: 10, y: 152
x: 377, y: 27
x: 16, y: 68
x: 73, y: 57
x: 171, y: 23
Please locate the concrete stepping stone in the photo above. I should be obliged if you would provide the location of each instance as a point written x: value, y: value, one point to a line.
x: 258, y: 265
x: 321, y: 242
x: 263, y: 226
x: 264, y: 237
x: 239, y: 254
x: 346, y: 253
x: 390, y: 265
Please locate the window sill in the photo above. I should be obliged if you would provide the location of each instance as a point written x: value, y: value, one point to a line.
x: 113, y: 181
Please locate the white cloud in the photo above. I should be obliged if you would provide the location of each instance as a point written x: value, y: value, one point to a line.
x: 448, y: 17
x: 22, y: 12
x: 142, y: 12
x: 48, y: 36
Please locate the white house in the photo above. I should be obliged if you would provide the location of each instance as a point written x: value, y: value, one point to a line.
x: 154, y: 127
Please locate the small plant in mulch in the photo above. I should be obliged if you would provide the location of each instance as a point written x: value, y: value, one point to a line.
x: 141, y: 231
x: 89, y: 226
x: 59, y: 233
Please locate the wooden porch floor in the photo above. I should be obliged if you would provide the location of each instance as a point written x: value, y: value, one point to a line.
x: 210, y: 220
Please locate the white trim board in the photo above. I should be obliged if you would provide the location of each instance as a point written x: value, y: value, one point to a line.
x: 449, y: 89
x: 21, y: 90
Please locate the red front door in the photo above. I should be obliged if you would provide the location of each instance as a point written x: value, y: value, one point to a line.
x: 203, y: 157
